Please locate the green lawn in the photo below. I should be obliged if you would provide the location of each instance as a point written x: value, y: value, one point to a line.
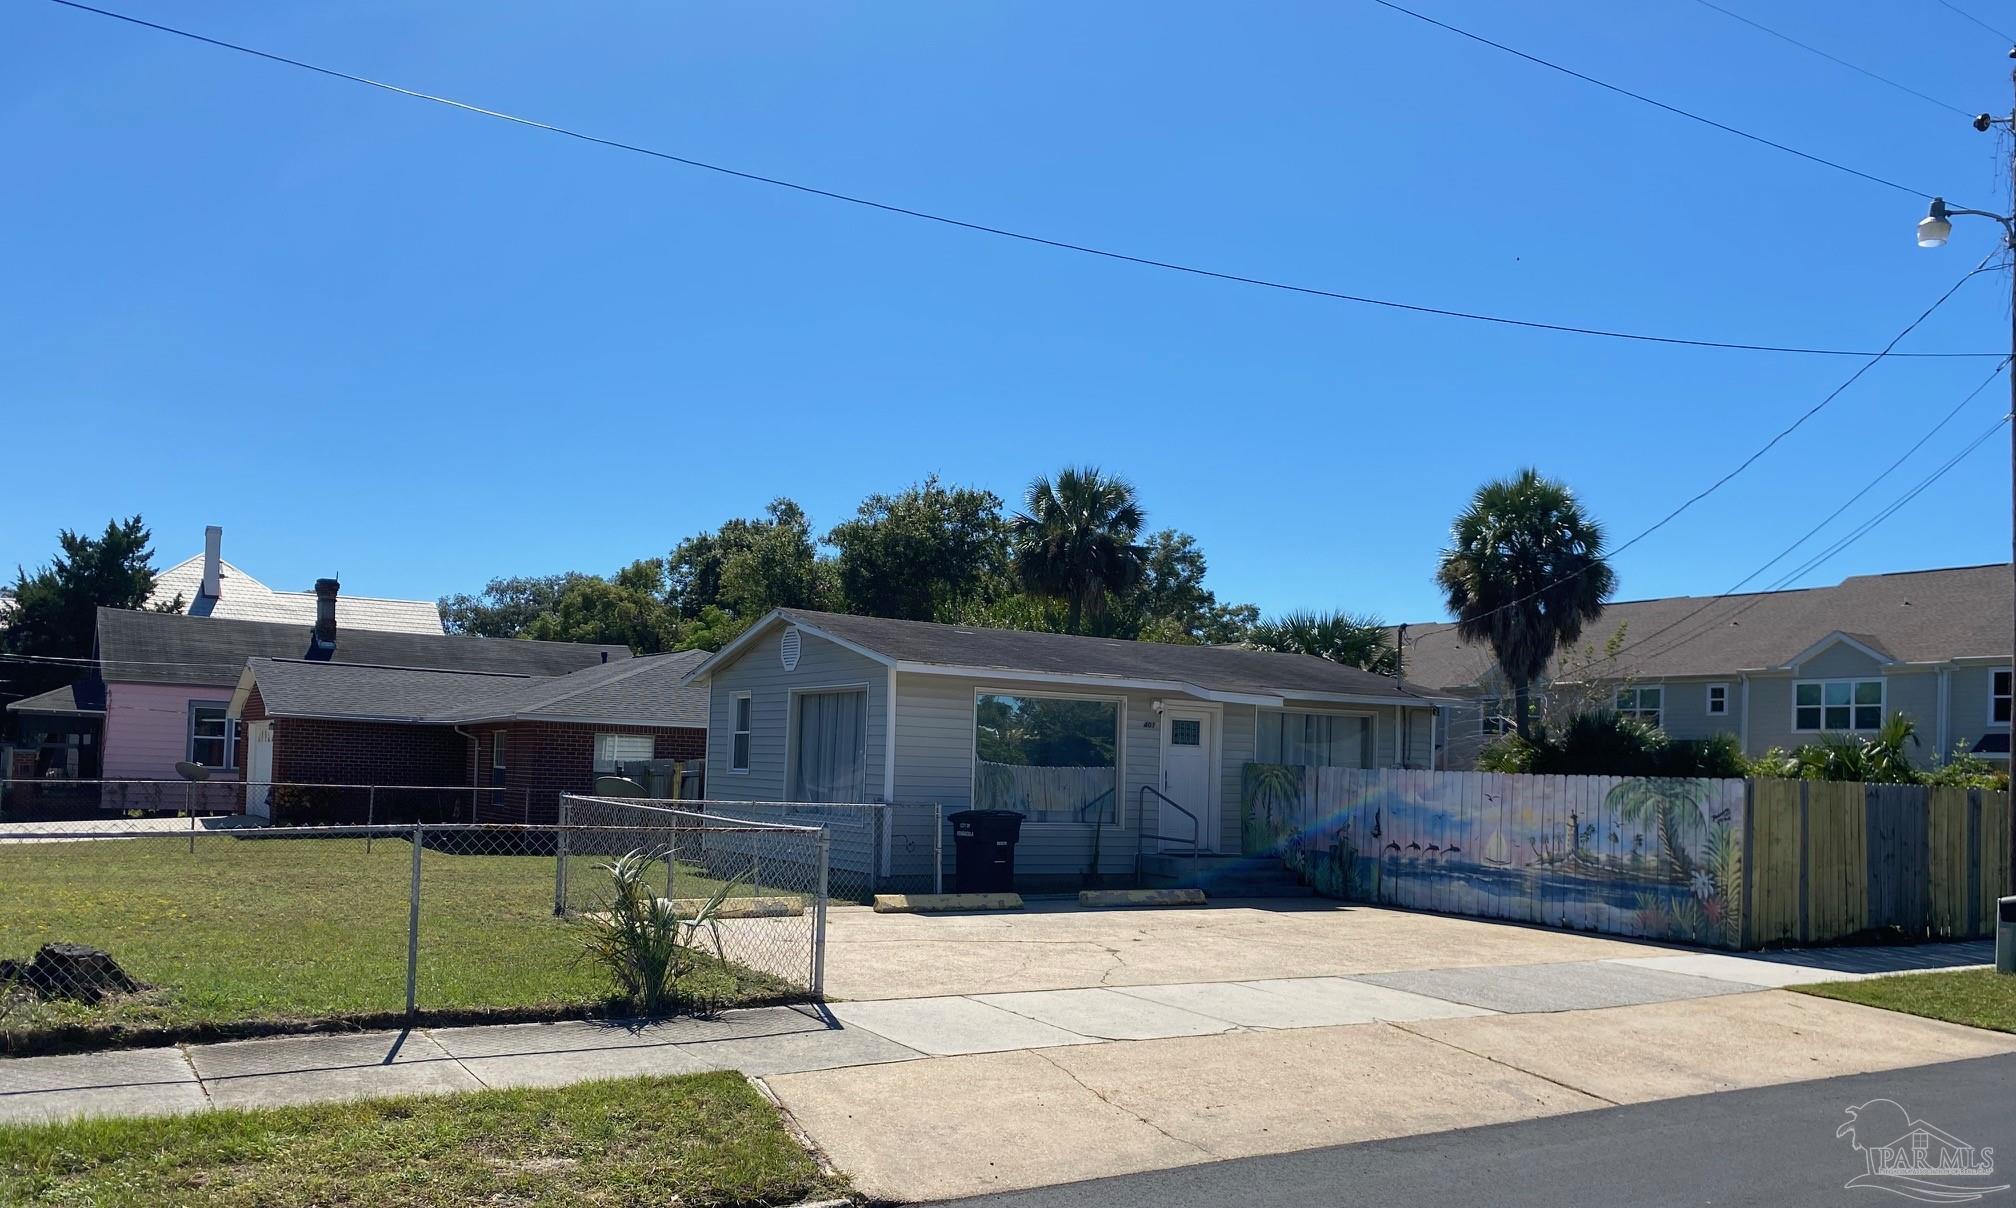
x: 276, y: 931
x: 1979, y: 998
x: 699, y: 1141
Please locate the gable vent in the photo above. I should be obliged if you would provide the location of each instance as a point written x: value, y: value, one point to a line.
x: 787, y: 649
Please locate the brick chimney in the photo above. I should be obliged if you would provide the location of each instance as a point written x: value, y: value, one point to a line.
x: 213, y: 562
x: 324, y: 642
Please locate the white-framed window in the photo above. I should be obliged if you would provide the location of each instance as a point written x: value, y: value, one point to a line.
x: 1999, y: 697
x: 498, y: 745
x: 614, y: 750
x: 829, y: 745
x: 1048, y: 758
x: 1493, y: 716
x: 1718, y: 700
x: 1843, y: 704
x: 210, y: 734
x: 738, y: 736
x: 1642, y: 704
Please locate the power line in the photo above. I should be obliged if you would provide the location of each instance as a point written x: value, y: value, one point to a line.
x: 983, y: 228
x: 1809, y: 534
x: 1766, y: 447
x: 1636, y: 96
x: 1976, y: 20
x: 1824, y: 556
x: 1831, y: 58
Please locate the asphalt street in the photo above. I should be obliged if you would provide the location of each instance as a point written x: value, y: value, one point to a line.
x: 1773, y: 1146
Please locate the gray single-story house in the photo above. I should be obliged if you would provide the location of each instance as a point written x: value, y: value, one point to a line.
x: 1075, y: 733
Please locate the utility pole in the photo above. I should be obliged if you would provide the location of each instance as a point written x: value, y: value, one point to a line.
x: 1933, y: 231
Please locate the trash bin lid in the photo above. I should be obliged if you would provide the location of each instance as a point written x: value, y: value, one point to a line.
x: 983, y: 815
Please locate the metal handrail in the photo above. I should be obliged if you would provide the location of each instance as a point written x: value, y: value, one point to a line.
x: 1142, y: 832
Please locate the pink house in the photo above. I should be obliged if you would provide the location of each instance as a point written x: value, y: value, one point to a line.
x: 168, y: 679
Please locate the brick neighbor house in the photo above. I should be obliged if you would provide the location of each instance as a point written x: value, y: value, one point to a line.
x: 511, y: 743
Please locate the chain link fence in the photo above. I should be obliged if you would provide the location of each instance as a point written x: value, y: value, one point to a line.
x: 873, y: 847
x: 281, y: 803
x: 216, y: 924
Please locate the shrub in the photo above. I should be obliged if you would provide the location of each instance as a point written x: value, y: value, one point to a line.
x: 1601, y: 743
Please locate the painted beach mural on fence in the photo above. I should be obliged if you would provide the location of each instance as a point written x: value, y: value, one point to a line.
x: 1652, y: 858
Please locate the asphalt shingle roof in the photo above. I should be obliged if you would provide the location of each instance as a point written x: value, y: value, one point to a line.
x: 636, y: 691
x: 166, y: 648
x: 642, y: 691
x: 1215, y: 668
x: 1913, y: 616
x: 299, y: 688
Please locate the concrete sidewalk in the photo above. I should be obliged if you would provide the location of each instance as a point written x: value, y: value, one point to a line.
x: 779, y: 1041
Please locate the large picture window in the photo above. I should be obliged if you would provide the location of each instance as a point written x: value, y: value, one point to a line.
x: 209, y: 734
x: 1048, y: 758
x: 830, y: 734
x: 1315, y: 740
x: 1837, y: 705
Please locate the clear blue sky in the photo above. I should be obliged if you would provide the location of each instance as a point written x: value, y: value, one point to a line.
x: 377, y: 337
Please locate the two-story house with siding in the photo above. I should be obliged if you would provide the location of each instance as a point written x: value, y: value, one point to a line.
x: 1776, y: 669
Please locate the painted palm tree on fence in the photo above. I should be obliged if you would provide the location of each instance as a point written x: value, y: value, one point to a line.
x: 1524, y: 572
x: 1079, y: 540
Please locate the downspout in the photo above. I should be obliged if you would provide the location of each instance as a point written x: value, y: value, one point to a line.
x: 1743, y: 695
x: 1945, y: 726
x: 474, y: 752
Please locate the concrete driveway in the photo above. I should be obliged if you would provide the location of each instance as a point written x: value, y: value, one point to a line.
x: 1058, y: 1044
x: 1059, y: 946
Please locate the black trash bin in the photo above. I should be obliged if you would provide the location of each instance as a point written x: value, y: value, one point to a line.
x: 984, y: 842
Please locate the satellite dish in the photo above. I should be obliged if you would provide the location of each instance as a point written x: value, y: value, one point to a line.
x: 192, y: 771
x: 618, y: 786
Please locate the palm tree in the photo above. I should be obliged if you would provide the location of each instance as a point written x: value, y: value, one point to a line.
x: 1525, y: 571
x: 1079, y: 540
x: 1341, y: 637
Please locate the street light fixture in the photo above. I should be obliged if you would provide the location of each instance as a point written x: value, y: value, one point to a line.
x: 1933, y: 231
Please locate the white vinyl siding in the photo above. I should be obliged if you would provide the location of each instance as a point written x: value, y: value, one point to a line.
x: 758, y: 675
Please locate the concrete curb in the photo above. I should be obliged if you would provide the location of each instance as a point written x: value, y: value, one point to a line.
x: 741, y: 908
x: 1141, y: 897
x: 932, y: 903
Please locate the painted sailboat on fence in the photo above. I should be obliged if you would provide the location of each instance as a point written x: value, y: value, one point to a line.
x: 1659, y: 858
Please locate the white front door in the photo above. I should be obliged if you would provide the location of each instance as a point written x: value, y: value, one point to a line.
x: 258, y: 767
x: 1189, y: 778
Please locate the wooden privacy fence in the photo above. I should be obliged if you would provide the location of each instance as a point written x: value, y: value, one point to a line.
x: 1727, y: 863
x: 1831, y: 860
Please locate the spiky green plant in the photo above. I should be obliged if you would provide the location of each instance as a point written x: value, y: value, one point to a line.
x: 641, y: 939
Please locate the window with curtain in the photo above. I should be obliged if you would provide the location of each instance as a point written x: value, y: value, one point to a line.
x: 1314, y: 740
x: 1049, y: 758
x: 830, y: 737
x: 614, y: 750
